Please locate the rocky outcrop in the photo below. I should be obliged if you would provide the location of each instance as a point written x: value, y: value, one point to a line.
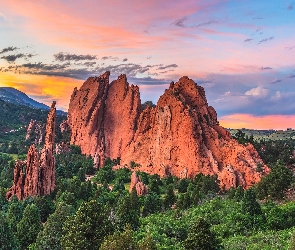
x: 180, y: 136
x: 34, y: 132
x: 136, y: 183
x: 36, y: 175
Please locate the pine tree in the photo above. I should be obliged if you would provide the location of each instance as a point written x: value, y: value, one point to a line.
x: 87, y: 228
x: 7, y: 238
x: 200, y: 237
x: 29, y: 226
x: 50, y: 237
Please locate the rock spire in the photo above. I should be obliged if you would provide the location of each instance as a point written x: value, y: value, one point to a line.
x: 36, y: 175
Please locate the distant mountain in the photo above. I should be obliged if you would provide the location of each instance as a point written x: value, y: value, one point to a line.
x: 17, y: 97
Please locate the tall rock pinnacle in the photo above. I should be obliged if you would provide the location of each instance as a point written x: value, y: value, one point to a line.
x: 180, y: 136
x: 36, y: 175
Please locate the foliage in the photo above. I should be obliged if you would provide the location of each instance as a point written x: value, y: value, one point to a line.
x: 7, y: 238
x: 200, y: 237
x: 87, y: 228
x: 49, y: 238
x: 276, y: 182
x: 29, y: 226
x: 120, y: 240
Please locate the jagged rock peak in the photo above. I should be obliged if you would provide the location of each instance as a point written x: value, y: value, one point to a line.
x: 36, y: 175
x: 50, y: 127
x: 180, y: 136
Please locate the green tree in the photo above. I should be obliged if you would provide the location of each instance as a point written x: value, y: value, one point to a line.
x: 276, y: 182
x: 7, y: 238
x: 120, y: 240
x: 45, y: 205
x: 250, y: 204
x: 29, y: 226
x: 87, y: 228
x: 50, y: 237
x: 14, y: 214
x: 170, y: 197
x: 200, y: 237
x: 239, y: 193
x: 152, y: 204
x: 127, y: 212
x: 147, y: 243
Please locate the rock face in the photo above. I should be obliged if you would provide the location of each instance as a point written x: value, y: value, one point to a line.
x: 36, y: 175
x: 136, y: 183
x: 34, y: 132
x: 180, y: 136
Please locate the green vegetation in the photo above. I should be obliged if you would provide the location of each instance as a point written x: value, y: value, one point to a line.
x: 100, y: 213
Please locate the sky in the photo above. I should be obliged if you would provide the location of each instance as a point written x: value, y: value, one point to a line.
x: 241, y: 52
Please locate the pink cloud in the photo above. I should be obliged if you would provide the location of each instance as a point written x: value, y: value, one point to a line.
x: 257, y: 122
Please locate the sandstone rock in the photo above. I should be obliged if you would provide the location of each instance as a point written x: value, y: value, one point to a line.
x: 64, y: 126
x: 136, y: 183
x: 35, y: 132
x: 36, y: 175
x: 180, y: 136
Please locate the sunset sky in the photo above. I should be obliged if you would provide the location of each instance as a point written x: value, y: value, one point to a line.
x: 241, y: 52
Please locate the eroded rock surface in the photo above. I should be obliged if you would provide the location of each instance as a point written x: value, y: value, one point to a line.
x: 180, y: 136
x: 36, y: 175
x: 136, y: 183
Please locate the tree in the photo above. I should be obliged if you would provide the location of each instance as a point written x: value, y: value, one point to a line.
x: 147, y: 243
x: 276, y: 182
x: 249, y: 203
x: 7, y: 239
x: 120, y: 240
x: 29, y: 226
x: 127, y: 212
x: 152, y: 204
x: 87, y: 228
x: 50, y: 237
x: 45, y: 205
x: 170, y: 197
x: 14, y: 214
x: 200, y: 237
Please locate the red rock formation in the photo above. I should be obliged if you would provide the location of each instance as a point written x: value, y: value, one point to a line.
x: 181, y: 135
x: 136, y: 183
x: 64, y: 126
x: 34, y: 131
x: 36, y: 175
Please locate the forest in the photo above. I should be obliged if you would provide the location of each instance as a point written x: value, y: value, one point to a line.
x: 93, y: 208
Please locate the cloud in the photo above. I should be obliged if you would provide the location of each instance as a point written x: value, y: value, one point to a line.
x: 205, y: 24
x: 265, y: 40
x: 2, y: 17
x: 89, y: 64
x: 290, y: 48
x: 291, y: 76
x: 61, y: 56
x: 180, y: 22
x: 8, y: 49
x: 12, y: 58
x: 265, y: 68
x: 275, y: 81
x: 168, y: 66
x: 125, y: 60
x: 257, y: 18
x: 248, y: 40
x: 290, y: 7
x: 257, y: 92
x: 113, y: 58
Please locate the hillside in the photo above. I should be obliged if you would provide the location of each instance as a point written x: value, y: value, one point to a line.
x: 266, y: 134
x: 15, y: 96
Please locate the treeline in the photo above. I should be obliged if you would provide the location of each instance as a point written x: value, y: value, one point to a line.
x: 175, y: 214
